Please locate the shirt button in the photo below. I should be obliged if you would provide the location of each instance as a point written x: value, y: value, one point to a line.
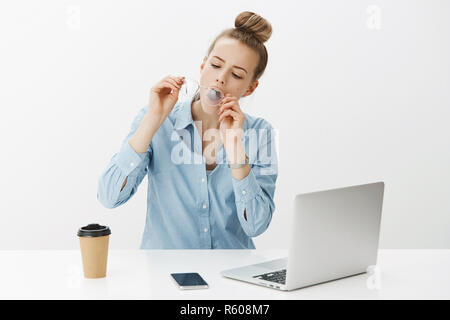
x: 244, y: 192
x: 132, y: 164
x: 204, y: 206
x: 206, y: 229
x: 203, y: 179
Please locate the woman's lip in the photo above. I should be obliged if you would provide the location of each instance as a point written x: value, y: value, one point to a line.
x: 216, y: 88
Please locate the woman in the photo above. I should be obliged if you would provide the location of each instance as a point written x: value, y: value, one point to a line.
x: 203, y: 193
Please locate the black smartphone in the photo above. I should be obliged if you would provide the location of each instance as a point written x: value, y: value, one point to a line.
x: 189, y: 281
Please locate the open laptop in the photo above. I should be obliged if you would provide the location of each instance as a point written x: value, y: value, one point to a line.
x: 334, y: 234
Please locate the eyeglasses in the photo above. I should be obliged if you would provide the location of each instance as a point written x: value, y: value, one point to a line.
x: 190, y: 87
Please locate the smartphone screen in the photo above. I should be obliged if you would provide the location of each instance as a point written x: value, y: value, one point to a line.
x: 189, y: 280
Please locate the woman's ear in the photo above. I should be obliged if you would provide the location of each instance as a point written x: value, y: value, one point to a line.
x: 203, y: 63
x: 251, y: 88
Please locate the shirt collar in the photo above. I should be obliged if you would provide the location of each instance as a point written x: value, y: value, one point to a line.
x: 183, y: 115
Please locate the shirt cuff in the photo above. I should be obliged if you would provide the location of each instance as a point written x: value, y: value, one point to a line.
x: 247, y: 188
x: 127, y: 159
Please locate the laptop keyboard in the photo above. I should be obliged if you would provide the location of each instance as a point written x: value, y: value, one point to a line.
x: 277, y: 276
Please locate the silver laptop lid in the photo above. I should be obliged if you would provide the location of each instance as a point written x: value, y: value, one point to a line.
x: 334, y: 234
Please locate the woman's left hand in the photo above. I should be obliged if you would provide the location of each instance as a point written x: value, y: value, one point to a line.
x: 231, y: 117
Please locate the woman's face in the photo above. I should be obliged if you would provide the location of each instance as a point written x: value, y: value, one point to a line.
x: 230, y: 68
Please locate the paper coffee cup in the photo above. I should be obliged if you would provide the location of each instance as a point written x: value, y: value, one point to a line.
x: 94, y: 240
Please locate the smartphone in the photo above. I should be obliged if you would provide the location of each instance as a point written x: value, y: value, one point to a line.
x: 187, y: 281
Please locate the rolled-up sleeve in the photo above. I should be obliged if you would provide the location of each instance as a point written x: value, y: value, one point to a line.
x: 255, y: 193
x: 126, y: 163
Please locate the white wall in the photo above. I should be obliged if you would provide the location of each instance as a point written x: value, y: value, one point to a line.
x: 358, y: 93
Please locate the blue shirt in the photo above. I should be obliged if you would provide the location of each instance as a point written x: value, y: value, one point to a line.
x: 186, y: 208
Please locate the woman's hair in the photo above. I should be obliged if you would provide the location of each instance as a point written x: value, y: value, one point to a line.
x: 252, y: 30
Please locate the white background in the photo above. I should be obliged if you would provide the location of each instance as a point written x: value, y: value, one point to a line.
x: 358, y: 91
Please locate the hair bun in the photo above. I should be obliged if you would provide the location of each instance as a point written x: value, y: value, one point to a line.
x: 255, y: 24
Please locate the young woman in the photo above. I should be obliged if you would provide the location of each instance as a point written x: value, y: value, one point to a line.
x: 203, y: 193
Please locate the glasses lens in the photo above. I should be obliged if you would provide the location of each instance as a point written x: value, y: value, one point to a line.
x: 188, y: 89
x: 214, y: 96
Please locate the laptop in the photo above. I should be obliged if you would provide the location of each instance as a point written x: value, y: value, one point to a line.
x: 334, y: 234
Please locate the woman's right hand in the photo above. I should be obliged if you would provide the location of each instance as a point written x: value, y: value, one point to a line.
x: 163, y: 97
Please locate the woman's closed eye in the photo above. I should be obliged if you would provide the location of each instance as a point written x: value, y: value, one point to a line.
x: 235, y: 75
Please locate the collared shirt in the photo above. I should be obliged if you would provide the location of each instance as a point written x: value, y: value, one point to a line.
x: 186, y: 208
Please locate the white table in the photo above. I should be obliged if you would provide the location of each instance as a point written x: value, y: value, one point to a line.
x: 144, y: 274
